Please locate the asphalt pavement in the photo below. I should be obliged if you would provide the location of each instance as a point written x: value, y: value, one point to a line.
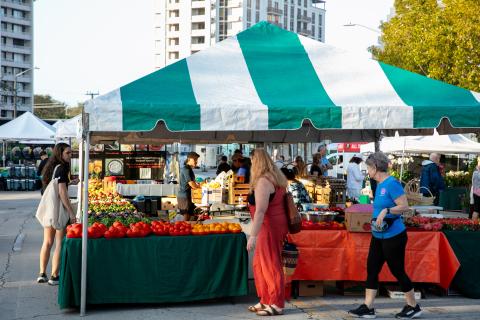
x: 22, y: 298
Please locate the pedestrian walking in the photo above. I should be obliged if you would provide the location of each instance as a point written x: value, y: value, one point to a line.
x: 389, y: 240
x: 58, y: 166
x: 266, y: 202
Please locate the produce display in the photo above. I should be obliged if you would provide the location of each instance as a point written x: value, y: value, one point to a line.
x: 433, y: 224
x: 100, y: 201
x: 330, y: 225
x: 142, y: 229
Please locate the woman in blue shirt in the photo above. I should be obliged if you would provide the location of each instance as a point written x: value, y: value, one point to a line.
x: 389, y: 239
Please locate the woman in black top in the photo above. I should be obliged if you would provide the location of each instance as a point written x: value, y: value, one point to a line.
x: 61, y: 157
x: 315, y: 169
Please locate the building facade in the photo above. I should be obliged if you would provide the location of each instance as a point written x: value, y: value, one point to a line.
x: 16, y: 59
x: 185, y: 27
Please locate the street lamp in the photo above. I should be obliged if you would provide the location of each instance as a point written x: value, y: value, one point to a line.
x: 15, y: 89
x: 361, y: 25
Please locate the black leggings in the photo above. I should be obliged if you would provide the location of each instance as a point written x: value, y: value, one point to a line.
x: 391, y: 250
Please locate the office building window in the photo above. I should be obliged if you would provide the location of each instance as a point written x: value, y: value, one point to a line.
x: 257, y: 16
x: 313, y: 30
x: 313, y: 17
x: 305, y: 3
x: 320, y: 19
x: 249, y: 3
x: 249, y: 15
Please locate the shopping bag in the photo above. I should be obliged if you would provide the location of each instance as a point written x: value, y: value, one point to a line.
x: 50, y: 211
x: 294, y: 219
x: 289, y: 258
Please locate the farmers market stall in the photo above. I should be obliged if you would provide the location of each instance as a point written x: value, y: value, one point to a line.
x: 342, y: 255
x: 155, y: 269
x: 260, y: 86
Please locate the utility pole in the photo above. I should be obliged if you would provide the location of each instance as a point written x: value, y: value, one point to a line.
x: 91, y: 94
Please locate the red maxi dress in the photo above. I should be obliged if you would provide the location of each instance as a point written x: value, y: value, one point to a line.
x: 267, y: 261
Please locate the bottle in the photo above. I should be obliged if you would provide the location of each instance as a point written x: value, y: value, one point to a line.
x: 240, y: 200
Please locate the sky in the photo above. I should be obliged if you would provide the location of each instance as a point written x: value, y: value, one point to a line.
x: 100, y: 45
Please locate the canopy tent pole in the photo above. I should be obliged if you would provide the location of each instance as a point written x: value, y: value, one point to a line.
x: 403, y: 157
x: 81, y: 178
x: 377, y: 140
x: 83, y: 285
x: 4, y: 158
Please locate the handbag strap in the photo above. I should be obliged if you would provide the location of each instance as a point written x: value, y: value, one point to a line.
x: 55, y: 170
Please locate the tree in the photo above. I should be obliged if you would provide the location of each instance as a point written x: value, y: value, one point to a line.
x: 438, y: 39
x: 73, y: 111
x: 46, y: 107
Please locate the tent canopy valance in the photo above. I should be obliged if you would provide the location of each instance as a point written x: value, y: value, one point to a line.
x: 269, y: 79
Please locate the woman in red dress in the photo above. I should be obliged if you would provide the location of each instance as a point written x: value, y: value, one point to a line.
x: 266, y: 202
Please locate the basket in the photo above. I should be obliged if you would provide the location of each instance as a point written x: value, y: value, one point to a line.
x: 289, y: 258
x: 414, y: 197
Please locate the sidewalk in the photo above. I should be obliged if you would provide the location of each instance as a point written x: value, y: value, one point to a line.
x: 22, y: 298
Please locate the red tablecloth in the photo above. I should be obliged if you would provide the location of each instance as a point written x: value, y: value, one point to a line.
x: 341, y: 255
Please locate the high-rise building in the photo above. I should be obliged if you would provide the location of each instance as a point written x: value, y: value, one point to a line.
x: 185, y: 27
x: 16, y: 60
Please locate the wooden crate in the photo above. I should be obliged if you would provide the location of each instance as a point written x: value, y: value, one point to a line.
x: 197, y: 195
x: 237, y: 192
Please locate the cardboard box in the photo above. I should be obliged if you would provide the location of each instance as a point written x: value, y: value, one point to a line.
x: 311, y: 289
x: 218, y: 195
x: 358, y: 218
x: 169, y: 203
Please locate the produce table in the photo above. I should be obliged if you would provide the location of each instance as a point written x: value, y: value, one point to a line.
x: 450, y: 198
x: 150, y: 190
x: 155, y: 269
x: 341, y: 255
x: 465, y: 244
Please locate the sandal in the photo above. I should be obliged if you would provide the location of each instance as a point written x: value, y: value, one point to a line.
x: 255, y: 308
x: 269, y: 311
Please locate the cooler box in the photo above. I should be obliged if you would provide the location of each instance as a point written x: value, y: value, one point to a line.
x: 358, y: 218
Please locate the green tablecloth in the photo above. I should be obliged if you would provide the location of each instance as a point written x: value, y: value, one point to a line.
x: 155, y: 269
x: 450, y: 198
x: 465, y: 245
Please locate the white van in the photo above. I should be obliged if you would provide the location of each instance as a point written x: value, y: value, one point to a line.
x: 340, y: 163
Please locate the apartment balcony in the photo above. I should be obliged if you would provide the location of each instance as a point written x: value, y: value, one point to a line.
x: 16, y: 35
x: 278, y: 24
x: 198, y: 46
x: 304, y: 18
x: 198, y: 18
x: 305, y: 32
x: 22, y: 78
x: 199, y: 4
x: 199, y: 32
x: 173, y: 20
x: 173, y: 47
x: 274, y: 11
x: 17, y: 49
x: 230, y: 3
x: 15, y: 4
x: 173, y: 6
x: 20, y: 21
x: 16, y: 64
x: 230, y: 19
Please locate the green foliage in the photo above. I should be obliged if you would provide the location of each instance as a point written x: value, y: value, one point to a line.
x: 406, y: 176
x: 48, y: 108
x: 439, y: 39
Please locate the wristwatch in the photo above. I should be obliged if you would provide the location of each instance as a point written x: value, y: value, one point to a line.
x: 388, y: 210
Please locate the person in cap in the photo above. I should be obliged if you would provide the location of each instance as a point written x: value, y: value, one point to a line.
x: 187, y: 183
x: 355, y: 178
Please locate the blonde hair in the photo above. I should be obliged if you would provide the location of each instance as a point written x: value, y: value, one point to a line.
x: 263, y: 166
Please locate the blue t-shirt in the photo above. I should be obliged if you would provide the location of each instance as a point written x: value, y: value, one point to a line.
x: 385, y: 195
x: 326, y: 163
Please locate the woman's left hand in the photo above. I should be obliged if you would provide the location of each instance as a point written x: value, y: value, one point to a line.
x: 251, y: 243
x: 380, y: 218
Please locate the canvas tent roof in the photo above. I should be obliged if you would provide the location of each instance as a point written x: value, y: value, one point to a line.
x: 450, y: 144
x: 27, y: 127
x: 266, y: 79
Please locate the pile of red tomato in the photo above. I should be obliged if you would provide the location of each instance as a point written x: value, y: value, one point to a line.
x: 135, y: 230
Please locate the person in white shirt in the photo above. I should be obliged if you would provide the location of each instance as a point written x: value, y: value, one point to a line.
x: 355, y: 178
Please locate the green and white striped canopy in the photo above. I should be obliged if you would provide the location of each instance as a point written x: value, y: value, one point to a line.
x: 267, y: 78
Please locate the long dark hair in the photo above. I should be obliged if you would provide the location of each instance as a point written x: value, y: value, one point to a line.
x: 53, y: 161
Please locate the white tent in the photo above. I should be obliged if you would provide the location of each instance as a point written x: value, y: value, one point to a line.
x: 68, y: 128
x: 449, y: 144
x: 26, y: 127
